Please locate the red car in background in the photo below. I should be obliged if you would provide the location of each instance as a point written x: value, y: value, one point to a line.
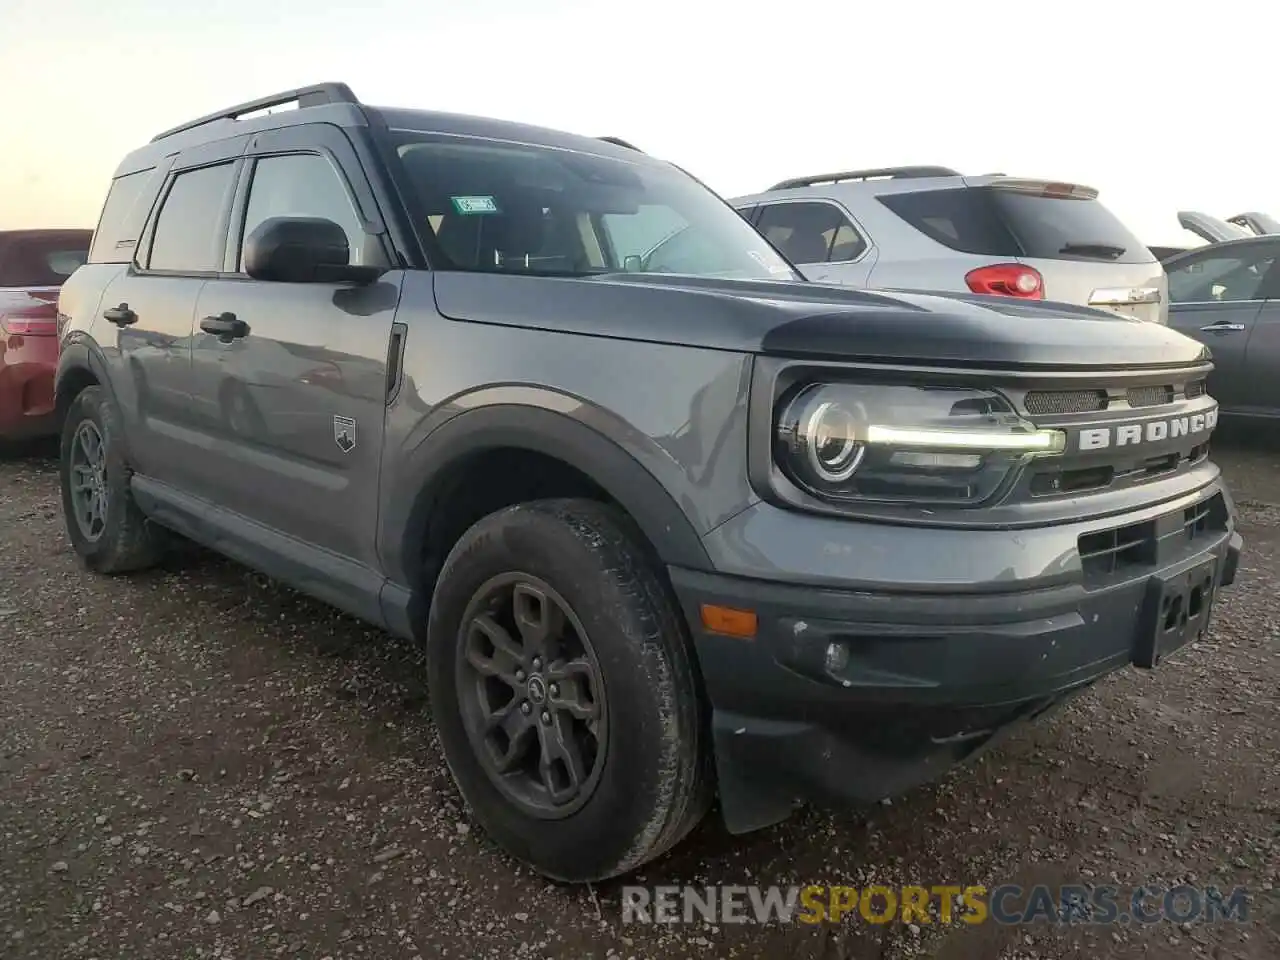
x: 33, y: 266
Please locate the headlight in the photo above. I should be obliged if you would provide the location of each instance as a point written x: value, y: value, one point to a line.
x: 895, y: 444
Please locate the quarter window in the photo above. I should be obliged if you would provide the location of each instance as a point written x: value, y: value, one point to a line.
x: 188, y: 235
x: 811, y: 232
x: 304, y: 185
x: 122, y: 218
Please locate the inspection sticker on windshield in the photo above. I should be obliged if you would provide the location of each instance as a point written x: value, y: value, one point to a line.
x: 475, y: 204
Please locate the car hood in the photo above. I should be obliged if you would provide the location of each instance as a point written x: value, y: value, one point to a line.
x: 818, y: 321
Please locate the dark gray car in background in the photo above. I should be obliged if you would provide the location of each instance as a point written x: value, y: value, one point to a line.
x: 665, y: 529
x: 1227, y: 296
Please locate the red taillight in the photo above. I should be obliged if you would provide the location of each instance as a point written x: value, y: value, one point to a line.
x: 35, y: 319
x: 1007, y: 280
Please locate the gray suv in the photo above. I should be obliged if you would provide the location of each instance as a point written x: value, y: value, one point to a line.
x: 665, y: 530
x: 930, y: 228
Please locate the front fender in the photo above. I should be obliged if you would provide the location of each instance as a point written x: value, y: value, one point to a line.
x: 505, y: 423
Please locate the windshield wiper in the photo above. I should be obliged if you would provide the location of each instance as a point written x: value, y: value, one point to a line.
x: 1108, y: 250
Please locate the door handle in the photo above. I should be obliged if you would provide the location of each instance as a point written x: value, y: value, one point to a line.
x: 1222, y: 326
x: 121, y: 316
x: 226, y: 327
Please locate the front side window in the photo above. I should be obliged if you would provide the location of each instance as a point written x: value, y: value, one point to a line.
x: 188, y: 236
x: 303, y: 185
x: 529, y: 209
x: 1221, y: 277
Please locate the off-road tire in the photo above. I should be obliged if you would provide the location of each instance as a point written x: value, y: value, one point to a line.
x: 656, y: 781
x: 129, y: 541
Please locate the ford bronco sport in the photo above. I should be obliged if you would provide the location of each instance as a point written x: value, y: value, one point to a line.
x: 666, y: 530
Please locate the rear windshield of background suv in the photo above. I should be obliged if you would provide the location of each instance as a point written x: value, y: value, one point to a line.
x: 40, y: 261
x: 1003, y: 223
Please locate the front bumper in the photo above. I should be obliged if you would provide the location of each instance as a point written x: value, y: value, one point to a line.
x: 853, y: 695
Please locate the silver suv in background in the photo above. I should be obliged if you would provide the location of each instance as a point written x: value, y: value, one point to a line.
x: 931, y: 228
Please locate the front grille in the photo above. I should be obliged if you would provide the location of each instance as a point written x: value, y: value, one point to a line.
x: 1054, y: 482
x: 1151, y: 396
x: 1051, y: 402
x: 1135, y: 546
x: 1195, y: 389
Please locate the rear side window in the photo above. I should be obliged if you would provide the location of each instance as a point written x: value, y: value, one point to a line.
x: 122, y: 219
x: 189, y: 233
x: 1004, y: 223
x: 810, y: 232
x: 41, y: 260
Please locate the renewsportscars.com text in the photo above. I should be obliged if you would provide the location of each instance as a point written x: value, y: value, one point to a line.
x: 941, y: 903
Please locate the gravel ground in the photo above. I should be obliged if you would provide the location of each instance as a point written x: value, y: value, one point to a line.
x: 196, y: 762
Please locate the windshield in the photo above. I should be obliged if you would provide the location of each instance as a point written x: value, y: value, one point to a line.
x: 527, y: 209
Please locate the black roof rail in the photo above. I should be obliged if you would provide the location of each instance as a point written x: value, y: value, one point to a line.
x: 315, y: 95
x: 618, y: 141
x: 892, y: 173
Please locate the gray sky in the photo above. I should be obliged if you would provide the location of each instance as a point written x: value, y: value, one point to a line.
x: 1116, y: 95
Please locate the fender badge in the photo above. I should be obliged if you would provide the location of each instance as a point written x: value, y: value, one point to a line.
x: 344, y: 433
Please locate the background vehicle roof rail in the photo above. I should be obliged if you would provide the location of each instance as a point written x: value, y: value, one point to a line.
x: 882, y: 173
x: 312, y: 96
x: 618, y: 141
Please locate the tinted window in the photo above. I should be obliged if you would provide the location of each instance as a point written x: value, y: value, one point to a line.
x: 1007, y: 223
x: 810, y: 232
x: 188, y: 235
x: 748, y: 213
x: 961, y: 219
x: 1062, y: 228
x: 525, y: 208
x: 1221, y: 277
x: 122, y: 219
x: 41, y: 259
x: 303, y: 185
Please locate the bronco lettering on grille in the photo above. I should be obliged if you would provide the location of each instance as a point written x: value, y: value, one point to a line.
x: 1151, y: 431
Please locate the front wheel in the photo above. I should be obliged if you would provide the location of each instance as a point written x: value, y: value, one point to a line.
x: 564, y: 692
x: 107, y: 530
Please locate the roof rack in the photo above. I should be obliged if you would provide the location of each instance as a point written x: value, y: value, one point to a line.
x: 315, y: 95
x: 618, y: 141
x: 891, y: 173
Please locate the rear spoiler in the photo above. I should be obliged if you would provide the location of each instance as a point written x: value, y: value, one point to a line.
x: 1045, y: 188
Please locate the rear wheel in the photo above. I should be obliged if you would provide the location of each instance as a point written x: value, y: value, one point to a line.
x: 106, y: 528
x: 564, y: 692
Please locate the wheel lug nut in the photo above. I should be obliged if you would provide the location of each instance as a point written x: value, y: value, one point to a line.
x: 520, y: 675
x: 537, y: 663
x: 546, y: 717
x: 525, y: 708
x: 554, y: 690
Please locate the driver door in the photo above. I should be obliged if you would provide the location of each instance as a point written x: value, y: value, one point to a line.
x: 293, y: 402
x: 1215, y: 296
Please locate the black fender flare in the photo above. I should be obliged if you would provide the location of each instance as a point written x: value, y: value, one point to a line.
x: 79, y: 354
x: 625, y: 479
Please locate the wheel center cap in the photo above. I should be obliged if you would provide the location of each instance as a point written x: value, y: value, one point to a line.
x: 537, y: 689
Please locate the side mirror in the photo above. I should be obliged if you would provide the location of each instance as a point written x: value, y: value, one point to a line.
x: 302, y: 250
